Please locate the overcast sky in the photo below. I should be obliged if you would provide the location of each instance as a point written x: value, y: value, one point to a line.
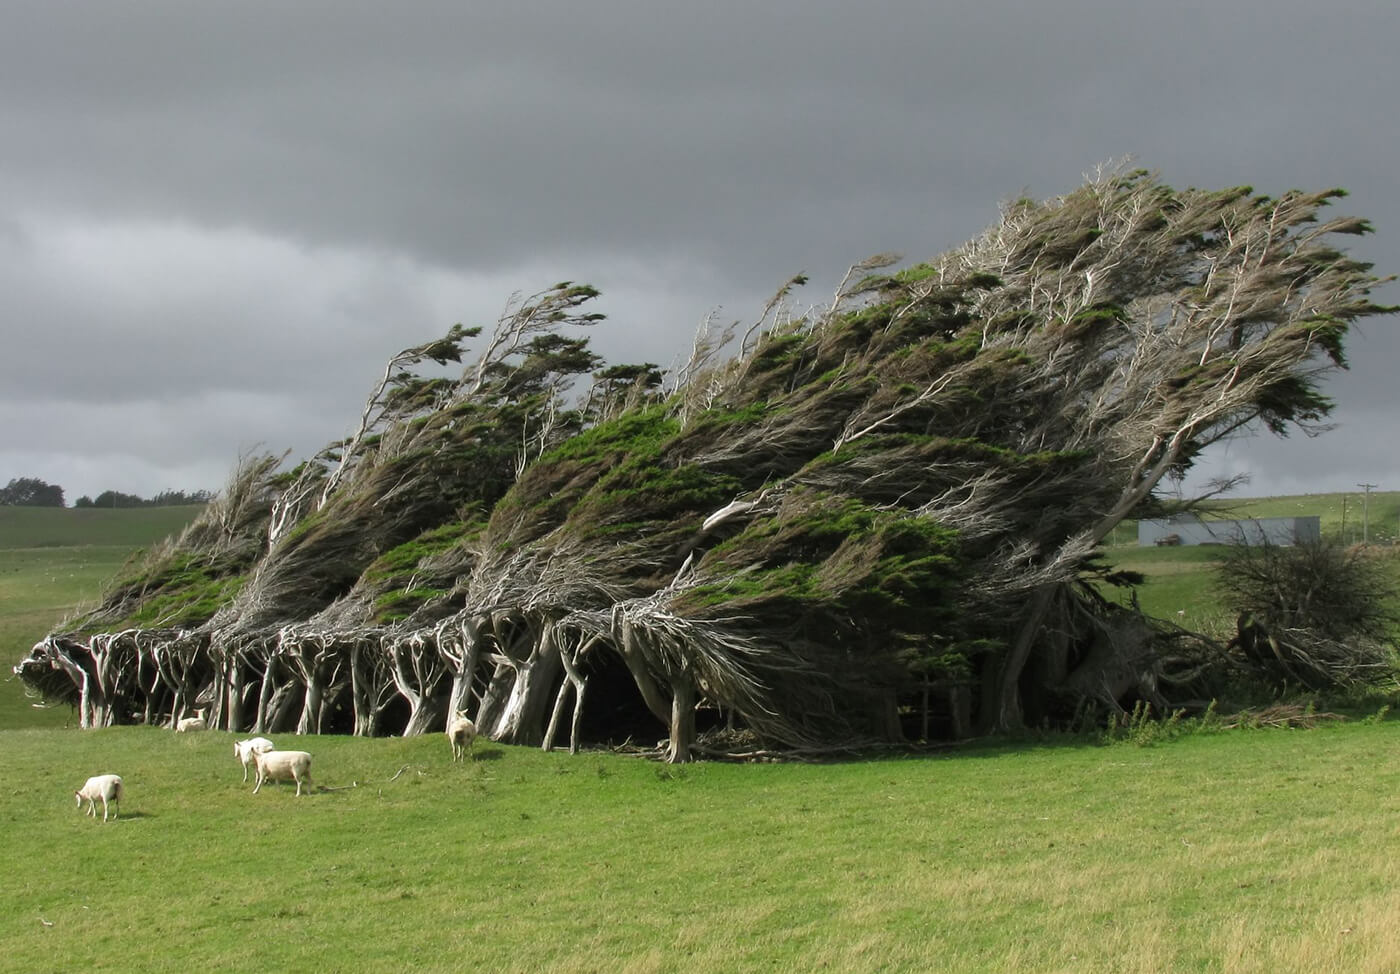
x: 218, y: 221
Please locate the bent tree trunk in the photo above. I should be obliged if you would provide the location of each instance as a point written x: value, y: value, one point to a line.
x: 574, y: 681
x: 523, y: 715
x: 417, y: 671
x: 682, y: 720
x: 269, y: 685
x: 676, y: 713
x: 461, y: 652
x: 371, y: 685
x: 1005, y: 711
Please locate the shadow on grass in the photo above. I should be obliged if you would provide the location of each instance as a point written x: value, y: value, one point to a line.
x: 126, y: 817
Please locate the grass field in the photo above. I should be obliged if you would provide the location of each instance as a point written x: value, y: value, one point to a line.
x: 52, y: 560
x: 1180, y: 580
x: 1219, y: 851
x: 1240, y: 851
x: 56, y: 527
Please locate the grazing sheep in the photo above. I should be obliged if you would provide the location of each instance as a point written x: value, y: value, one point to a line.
x: 195, y: 723
x: 283, y: 766
x: 108, y: 787
x: 243, y: 750
x: 461, y: 733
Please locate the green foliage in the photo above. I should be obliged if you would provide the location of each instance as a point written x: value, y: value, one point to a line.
x: 186, y: 599
x: 172, y: 588
x: 916, y: 474
x: 552, y: 486
x: 642, y: 429
x: 826, y: 563
x: 31, y: 492
x: 403, y: 560
x: 166, y: 498
x: 402, y: 603
x: 1143, y: 728
x: 640, y: 489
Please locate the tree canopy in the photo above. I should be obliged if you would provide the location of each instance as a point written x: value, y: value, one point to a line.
x: 885, y: 505
x: 31, y: 492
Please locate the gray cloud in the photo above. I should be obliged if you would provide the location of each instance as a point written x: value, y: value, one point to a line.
x: 210, y: 213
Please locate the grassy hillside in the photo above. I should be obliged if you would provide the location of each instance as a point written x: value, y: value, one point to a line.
x: 52, y: 560
x: 1180, y: 581
x: 54, y: 527
x: 1238, y: 851
x: 1343, y: 515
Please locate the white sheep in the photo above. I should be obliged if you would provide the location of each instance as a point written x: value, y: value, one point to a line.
x: 461, y: 734
x: 195, y: 723
x: 108, y: 787
x: 283, y: 766
x: 243, y: 751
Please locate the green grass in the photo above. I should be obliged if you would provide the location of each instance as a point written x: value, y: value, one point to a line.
x: 53, y: 561
x: 1181, y: 581
x: 39, y: 587
x: 52, y: 527
x: 1341, y: 514
x: 1241, y: 851
x: 1264, y: 850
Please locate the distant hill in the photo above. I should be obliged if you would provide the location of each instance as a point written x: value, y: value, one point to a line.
x: 1343, y: 514
x: 59, y: 527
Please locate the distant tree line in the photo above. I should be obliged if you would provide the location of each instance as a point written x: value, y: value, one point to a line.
x: 30, y: 492
x: 33, y: 492
x: 166, y: 498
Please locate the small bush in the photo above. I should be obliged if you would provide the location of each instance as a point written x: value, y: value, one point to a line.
x: 1314, y: 615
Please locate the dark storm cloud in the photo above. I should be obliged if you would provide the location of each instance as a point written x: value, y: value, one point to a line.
x: 208, y: 205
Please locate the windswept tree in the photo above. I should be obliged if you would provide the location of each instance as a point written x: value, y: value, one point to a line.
x: 888, y: 504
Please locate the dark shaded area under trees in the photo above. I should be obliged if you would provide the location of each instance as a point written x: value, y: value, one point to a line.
x: 871, y: 521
